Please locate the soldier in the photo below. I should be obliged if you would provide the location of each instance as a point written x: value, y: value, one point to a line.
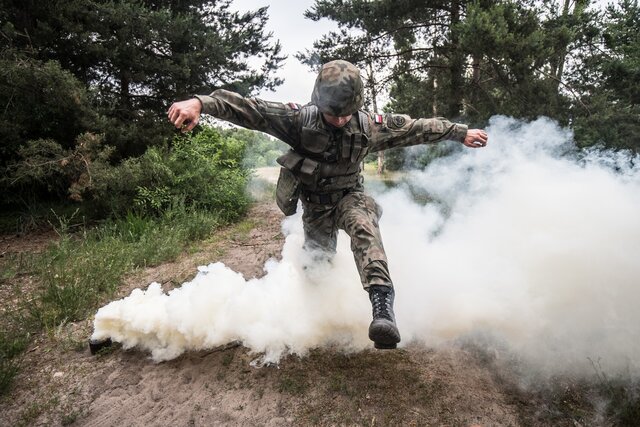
x: 329, y: 138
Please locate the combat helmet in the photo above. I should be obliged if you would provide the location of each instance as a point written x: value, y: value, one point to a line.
x: 338, y: 90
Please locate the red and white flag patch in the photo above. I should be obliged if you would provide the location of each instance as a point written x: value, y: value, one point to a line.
x: 378, y: 119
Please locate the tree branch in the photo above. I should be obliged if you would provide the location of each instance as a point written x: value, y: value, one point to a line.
x: 573, y: 92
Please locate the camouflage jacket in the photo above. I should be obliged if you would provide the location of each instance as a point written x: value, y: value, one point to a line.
x: 325, y: 160
x: 283, y: 122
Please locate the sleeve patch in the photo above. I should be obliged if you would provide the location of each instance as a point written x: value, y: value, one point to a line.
x: 294, y: 106
x: 398, y: 121
x: 274, y: 108
x: 274, y: 105
x: 378, y: 119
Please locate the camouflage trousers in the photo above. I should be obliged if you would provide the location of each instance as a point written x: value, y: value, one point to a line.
x: 357, y: 214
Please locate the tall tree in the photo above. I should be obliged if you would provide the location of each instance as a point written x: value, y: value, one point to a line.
x: 510, y: 51
x: 564, y: 27
x: 136, y: 56
x: 395, y: 38
x: 381, y: 51
x: 475, y: 58
x: 608, y: 79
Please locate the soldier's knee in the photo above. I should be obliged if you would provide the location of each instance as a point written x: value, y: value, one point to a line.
x: 373, y: 207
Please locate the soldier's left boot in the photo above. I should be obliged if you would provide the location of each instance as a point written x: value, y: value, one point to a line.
x: 383, y: 330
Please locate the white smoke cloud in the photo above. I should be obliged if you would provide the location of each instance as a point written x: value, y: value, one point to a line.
x: 526, y: 243
x: 290, y: 310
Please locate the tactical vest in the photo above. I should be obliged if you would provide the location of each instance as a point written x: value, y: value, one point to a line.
x: 324, y: 165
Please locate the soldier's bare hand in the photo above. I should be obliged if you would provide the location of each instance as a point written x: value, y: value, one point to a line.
x: 185, y: 114
x: 476, y: 138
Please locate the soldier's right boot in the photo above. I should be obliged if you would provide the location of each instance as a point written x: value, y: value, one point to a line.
x: 383, y: 330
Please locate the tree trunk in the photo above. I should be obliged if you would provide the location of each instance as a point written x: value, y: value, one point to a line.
x: 457, y: 66
x: 434, y: 104
x: 125, y: 98
x: 476, y: 69
x: 557, y: 68
x: 374, y: 102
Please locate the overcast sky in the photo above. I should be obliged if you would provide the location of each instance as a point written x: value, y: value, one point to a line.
x: 295, y: 34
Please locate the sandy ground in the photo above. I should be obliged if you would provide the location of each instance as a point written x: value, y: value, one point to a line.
x: 61, y: 383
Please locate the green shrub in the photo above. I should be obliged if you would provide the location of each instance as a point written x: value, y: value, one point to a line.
x: 203, y: 171
x: 41, y: 100
x: 45, y: 166
x: 77, y: 272
x: 208, y: 173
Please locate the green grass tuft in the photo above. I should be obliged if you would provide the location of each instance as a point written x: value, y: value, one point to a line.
x: 80, y: 270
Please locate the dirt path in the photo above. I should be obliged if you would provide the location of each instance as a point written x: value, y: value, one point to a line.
x: 62, y: 384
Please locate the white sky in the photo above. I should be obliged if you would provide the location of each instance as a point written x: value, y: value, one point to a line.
x: 295, y: 33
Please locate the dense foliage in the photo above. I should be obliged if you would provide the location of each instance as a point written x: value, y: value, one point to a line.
x: 609, y: 80
x: 203, y: 171
x: 89, y: 81
x: 137, y: 56
x: 84, y: 89
x: 85, y: 84
x: 471, y: 59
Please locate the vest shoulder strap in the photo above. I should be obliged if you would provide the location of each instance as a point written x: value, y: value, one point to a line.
x: 308, y: 114
x: 363, y: 119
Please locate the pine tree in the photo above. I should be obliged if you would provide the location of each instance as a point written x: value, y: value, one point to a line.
x: 608, y: 80
x: 138, y: 56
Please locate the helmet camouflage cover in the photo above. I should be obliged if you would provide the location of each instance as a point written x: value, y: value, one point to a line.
x: 338, y: 89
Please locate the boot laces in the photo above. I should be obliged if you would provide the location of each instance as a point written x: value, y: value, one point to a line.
x: 382, y: 305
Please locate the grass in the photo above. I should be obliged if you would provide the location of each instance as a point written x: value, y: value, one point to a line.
x: 622, y: 395
x: 242, y: 230
x: 40, y: 215
x: 77, y: 272
x: 357, y: 387
x: 13, y: 341
x: 82, y: 269
x: 293, y: 384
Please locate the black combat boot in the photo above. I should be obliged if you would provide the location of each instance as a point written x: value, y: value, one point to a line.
x: 383, y: 330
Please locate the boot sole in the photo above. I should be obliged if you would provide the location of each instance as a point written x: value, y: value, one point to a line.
x: 384, y: 334
x: 381, y: 346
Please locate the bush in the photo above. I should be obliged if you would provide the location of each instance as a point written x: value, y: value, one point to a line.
x: 41, y: 101
x: 209, y: 174
x: 45, y: 167
x: 201, y: 171
x: 76, y: 274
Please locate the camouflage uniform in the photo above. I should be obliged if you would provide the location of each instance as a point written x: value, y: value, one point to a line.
x: 327, y: 162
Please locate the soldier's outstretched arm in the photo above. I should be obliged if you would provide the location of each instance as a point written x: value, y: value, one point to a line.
x: 400, y: 130
x: 274, y: 118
